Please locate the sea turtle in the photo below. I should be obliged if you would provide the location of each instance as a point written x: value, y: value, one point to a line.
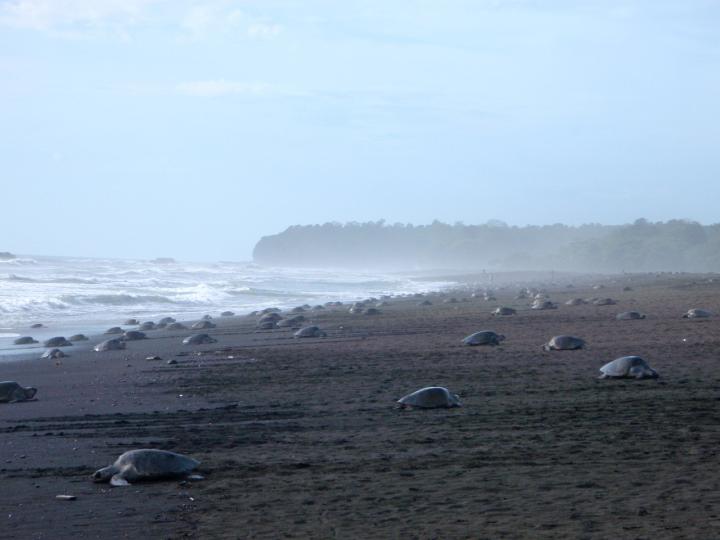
x: 203, y: 325
x: 25, y: 340
x: 371, y: 311
x: 114, y: 330
x: 198, y: 339
x: 576, y: 302
x: 357, y: 307
x: 628, y: 367
x: 146, y: 464
x: 227, y: 314
x: 270, y: 310
x: 52, y: 354
x: 564, y: 343
x: 629, y: 316
x: 318, y: 307
x: 11, y: 392
x: 503, y: 311
x: 56, y: 342
x: 299, y: 309
x: 292, y: 321
x: 114, y: 344
x: 148, y: 325
x: 627, y: 288
x: 131, y: 322
x: 176, y: 326
x: 309, y: 331
x: 206, y: 318
x: 167, y: 320
x: 272, y: 316
x: 37, y: 325
x: 604, y: 302
x: 452, y: 300
x: 133, y: 335
x: 425, y: 303
x: 267, y: 325
x: 432, y: 397
x: 78, y: 337
x: 484, y: 337
x: 541, y: 305
x: 698, y: 314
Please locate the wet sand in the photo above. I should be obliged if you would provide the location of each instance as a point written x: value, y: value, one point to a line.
x: 300, y: 438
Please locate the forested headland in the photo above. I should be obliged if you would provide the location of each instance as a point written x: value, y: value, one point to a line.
x: 675, y: 245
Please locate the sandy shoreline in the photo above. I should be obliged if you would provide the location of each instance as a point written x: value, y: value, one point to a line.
x: 301, y: 439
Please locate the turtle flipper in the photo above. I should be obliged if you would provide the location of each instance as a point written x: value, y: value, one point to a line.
x: 118, y: 481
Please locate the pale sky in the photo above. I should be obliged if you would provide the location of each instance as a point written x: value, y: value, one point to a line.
x: 144, y: 128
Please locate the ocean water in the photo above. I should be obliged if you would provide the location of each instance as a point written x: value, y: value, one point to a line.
x: 83, y: 294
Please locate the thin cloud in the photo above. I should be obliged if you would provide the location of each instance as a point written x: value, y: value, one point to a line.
x: 72, y: 14
x: 264, y: 31
x: 221, y: 87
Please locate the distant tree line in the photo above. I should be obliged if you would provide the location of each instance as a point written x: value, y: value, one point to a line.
x: 675, y: 245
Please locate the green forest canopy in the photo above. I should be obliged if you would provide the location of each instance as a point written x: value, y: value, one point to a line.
x: 675, y: 245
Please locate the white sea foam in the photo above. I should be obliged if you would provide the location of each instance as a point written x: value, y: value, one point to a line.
x: 64, y: 291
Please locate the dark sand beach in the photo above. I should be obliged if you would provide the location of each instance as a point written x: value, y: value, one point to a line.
x: 301, y: 439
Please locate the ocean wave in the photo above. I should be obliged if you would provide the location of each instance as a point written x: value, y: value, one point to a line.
x: 116, y: 299
x: 252, y: 291
x: 70, y: 281
x: 18, y: 262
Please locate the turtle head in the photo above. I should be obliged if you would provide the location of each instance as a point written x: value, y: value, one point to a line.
x: 104, y: 474
x: 30, y: 392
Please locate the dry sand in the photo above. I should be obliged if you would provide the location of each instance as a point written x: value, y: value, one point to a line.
x: 300, y: 438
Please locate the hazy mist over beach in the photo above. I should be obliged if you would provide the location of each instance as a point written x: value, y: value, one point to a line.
x: 191, y: 129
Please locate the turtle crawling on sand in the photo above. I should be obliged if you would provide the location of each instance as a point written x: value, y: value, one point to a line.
x: 78, y: 337
x: 628, y: 367
x: 53, y: 354
x: 114, y: 330
x: 146, y: 464
x: 167, y: 320
x: 131, y: 322
x: 272, y: 317
x: 267, y: 325
x: 432, y: 397
x: 698, y: 314
x: 564, y: 343
x: 484, y: 337
x: 503, y: 311
x: 542, y: 305
x: 297, y: 320
x: 148, y: 325
x: 56, y: 342
x: 176, y: 326
x: 203, y: 325
x: 198, y: 339
x: 25, y: 340
x: 115, y: 344
x: 12, y: 392
x: 576, y: 302
x: 309, y: 332
x: 629, y: 316
x: 133, y: 335
x: 227, y: 314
